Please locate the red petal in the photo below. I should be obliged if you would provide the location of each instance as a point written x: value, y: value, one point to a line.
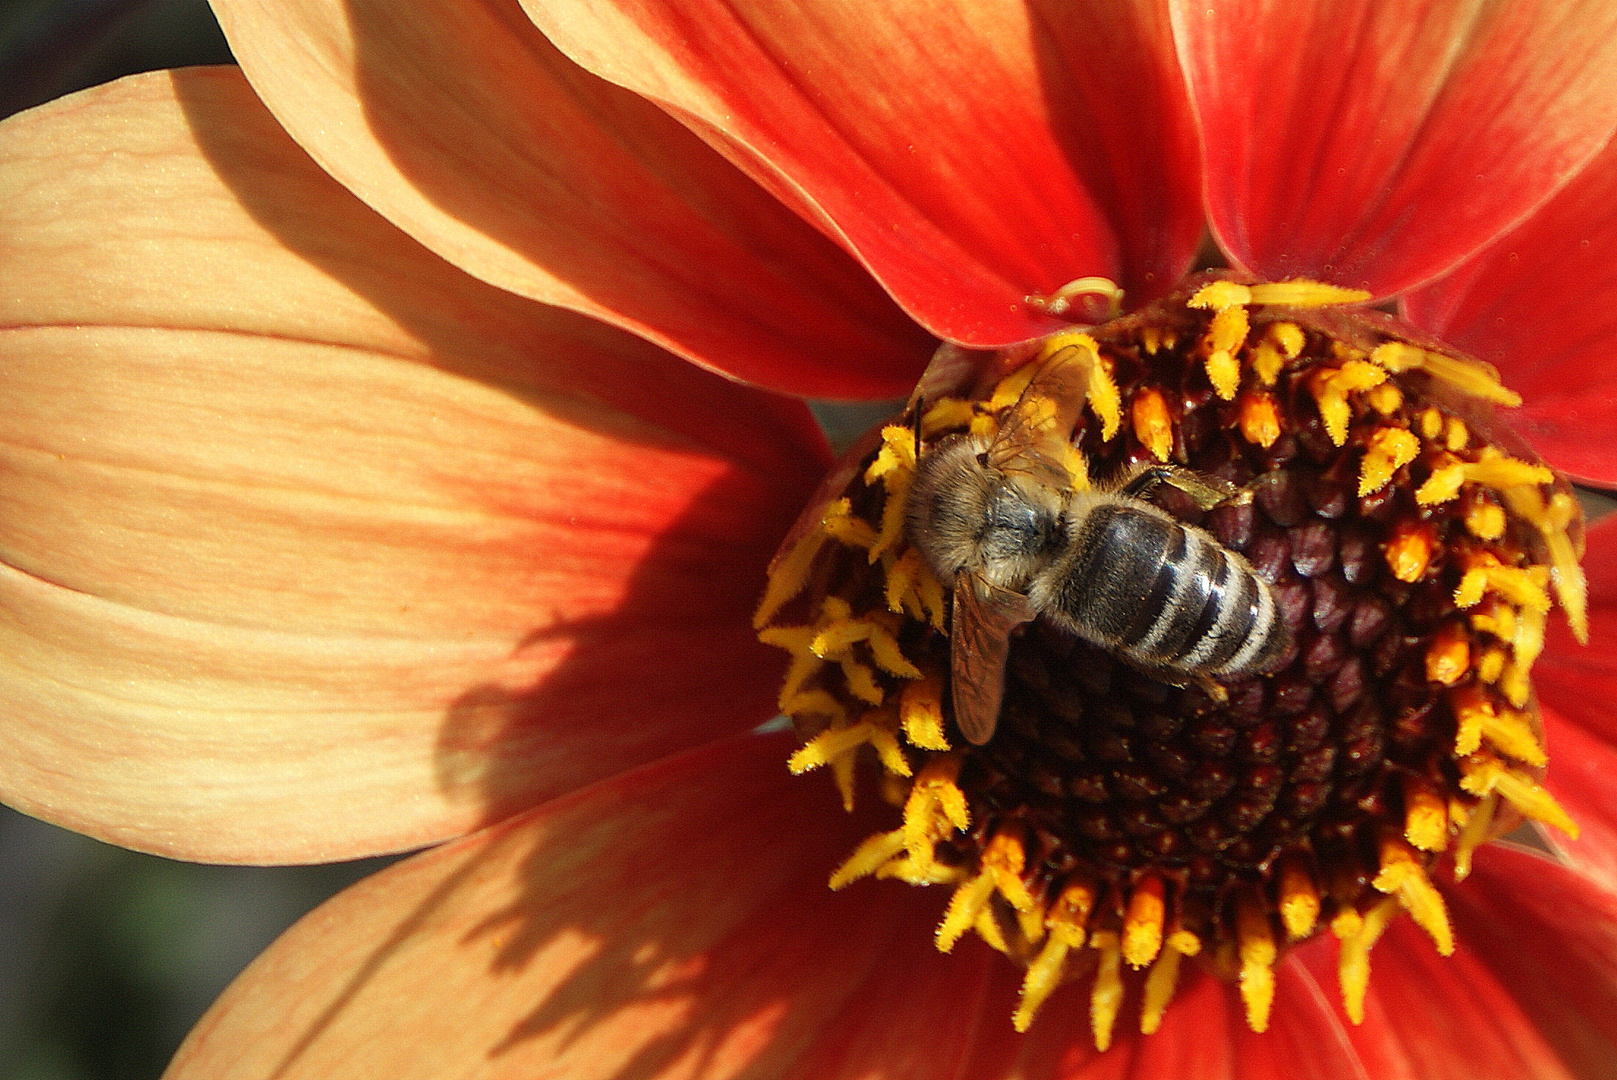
x: 1541, y: 303
x: 312, y: 545
x: 969, y: 154
x: 1376, y: 144
x: 671, y: 922
x: 1549, y: 937
x: 460, y: 124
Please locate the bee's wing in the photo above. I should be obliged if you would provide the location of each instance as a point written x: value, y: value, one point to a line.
x: 1033, y: 436
x: 979, y: 641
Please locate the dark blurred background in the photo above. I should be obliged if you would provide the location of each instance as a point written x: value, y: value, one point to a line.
x: 108, y: 957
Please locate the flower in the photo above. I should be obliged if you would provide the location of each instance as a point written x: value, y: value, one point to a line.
x: 318, y: 546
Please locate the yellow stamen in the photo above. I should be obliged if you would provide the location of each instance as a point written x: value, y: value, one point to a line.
x: 969, y: 901
x: 1519, y: 585
x: 1469, y: 376
x: 1257, y: 954
x: 1456, y: 435
x: 894, y: 466
x: 1484, y: 775
x: 1100, y: 391
x: 1403, y: 877
x: 1301, y: 292
x: 1353, y: 961
x: 920, y: 711
x: 844, y: 525
x: 868, y: 857
x: 1005, y: 859
x: 1431, y: 423
x: 1473, y: 834
x: 1426, y: 818
x: 1159, y: 986
x: 1106, y: 998
x: 1485, y: 520
x: 788, y: 576
x: 1385, y: 399
x: 1142, y: 925
x: 1225, y: 334
x: 1389, y: 450
x: 1153, y: 426
x: 1220, y: 296
x: 1299, y: 900
x: 1555, y: 520
x: 1330, y: 388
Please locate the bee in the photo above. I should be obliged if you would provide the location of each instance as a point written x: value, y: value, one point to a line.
x: 1006, y: 523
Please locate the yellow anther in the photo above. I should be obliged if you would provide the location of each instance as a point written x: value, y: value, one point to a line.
x: 1225, y: 335
x: 888, y: 752
x: 788, y: 575
x: 813, y: 703
x: 1142, y: 924
x: 1448, y: 657
x: 1158, y: 991
x: 1385, y: 399
x: 1301, y: 292
x: 1153, y: 425
x: 1220, y: 296
x: 1042, y: 978
x: 1331, y: 387
x: 935, y: 809
x: 1456, y: 435
x: 894, y: 466
x: 1353, y: 961
x: 1389, y: 449
x: 1468, y: 376
x: 844, y: 525
x: 1522, y: 586
x: 1485, y: 520
x: 1494, y: 616
x: 1288, y: 338
x: 1403, y: 877
x: 1106, y: 997
x: 1259, y: 418
x: 946, y: 414
x: 829, y: 745
x: 884, y: 647
x: 1482, y: 774
x: 861, y: 681
x: 1409, y: 552
x: 1153, y: 339
x: 1510, y: 732
x: 1491, y: 664
x: 1426, y: 817
x: 970, y: 899
x: 1556, y: 519
x: 1005, y: 859
x: 920, y: 711
x: 1473, y: 834
x: 988, y: 928
x: 1257, y: 954
x: 1444, y: 484
x: 1298, y: 900
x: 1431, y: 422
x: 1069, y: 915
x: 1100, y: 391
x: 875, y: 852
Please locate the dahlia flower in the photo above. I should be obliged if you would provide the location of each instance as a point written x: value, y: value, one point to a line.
x: 401, y: 431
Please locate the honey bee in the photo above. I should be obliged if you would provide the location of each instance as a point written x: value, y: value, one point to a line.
x: 1006, y: 523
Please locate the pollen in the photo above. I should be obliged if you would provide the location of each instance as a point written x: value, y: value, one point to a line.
x: 1118, y: 824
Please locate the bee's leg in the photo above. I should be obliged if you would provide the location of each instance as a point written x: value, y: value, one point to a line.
x: 1206, y: 491
x: 1205, y: 683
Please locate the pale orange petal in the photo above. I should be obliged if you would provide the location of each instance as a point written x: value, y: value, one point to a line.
x: 670, y: 923
x: 313, y: 546
x: 460, y: 123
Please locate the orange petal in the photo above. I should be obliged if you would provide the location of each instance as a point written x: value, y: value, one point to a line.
x: 464, y: 127
x: 311, y: 545
x: 969, y: 153
x: 672, y: 922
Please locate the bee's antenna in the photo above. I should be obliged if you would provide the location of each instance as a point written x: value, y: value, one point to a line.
x: 915, y: 425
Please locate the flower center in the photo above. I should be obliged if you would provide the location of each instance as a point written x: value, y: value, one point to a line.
x: 1189, y: 634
